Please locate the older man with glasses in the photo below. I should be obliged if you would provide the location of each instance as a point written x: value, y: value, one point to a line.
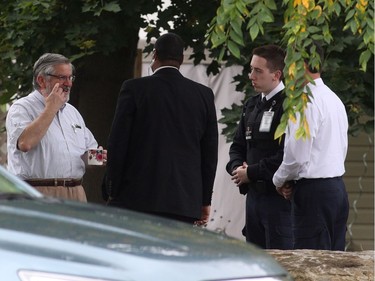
x: 47, y: 137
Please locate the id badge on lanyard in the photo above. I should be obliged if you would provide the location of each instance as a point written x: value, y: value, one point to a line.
x: 265, y: 124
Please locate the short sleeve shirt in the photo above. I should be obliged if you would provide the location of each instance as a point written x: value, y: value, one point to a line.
x: 59, y: 153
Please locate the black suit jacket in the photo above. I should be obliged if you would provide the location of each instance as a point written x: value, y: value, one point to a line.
x: 260, y: 150
x: 163, y: 145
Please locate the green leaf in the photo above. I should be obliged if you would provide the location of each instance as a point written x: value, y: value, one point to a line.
x: 314, y: 14
x: 368, y: 37
x: 349, y: 15
x: 267, y: 17
x: 236, y: 38
x: 270, y: 4
x: 313, y: 29
x: 300, y: 133
x: 318, y: 37
x: 363, y: 59
x: 254, y: 31
x: 221, y: 54
x: 217, y: 39
x: 236, y: 25
x: 353, y: 26
x: 370, y: 22
x: 89, y: 7
x: 226, y: 4
x: 251, y: 22
x: 233, y: 48
x: 337, y: 8
x: 112, y: 7
x: 241, y: 7
x: 280, y: 130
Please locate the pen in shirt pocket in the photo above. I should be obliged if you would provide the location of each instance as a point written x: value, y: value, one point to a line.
x: 75, y: 127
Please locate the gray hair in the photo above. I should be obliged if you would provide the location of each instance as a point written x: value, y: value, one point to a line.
x: 46, y: 65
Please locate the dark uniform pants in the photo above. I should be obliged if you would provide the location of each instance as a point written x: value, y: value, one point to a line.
x: 320, y: 210
x: 268, y: 219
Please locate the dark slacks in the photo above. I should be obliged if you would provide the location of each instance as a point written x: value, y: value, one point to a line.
x: 268, y: 219
x: 320, y: 211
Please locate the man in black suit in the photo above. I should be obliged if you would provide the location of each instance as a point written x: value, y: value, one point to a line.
x: 255, y: 155
x: 163, y: 145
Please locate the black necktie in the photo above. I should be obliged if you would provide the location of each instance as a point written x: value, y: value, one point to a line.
x: 264, y: 100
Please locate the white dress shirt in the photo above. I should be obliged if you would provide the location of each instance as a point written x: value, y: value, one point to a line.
x: 278, y: 88
x: 58, y: 155
x: 323, y: 154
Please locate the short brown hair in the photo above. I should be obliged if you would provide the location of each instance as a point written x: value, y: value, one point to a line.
x: 274, y: 56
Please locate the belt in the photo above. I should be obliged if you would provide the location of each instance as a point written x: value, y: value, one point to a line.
x: 301, y: 180
x: 54, y: 182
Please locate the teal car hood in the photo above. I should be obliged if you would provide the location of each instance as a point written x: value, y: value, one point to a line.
x: 44, y: 233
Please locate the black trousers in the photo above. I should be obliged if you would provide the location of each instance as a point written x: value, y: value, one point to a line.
x: 268, y: 219
x: 320, y: 210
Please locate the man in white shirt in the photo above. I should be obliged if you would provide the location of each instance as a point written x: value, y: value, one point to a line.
x: 47, y: 137
x: 311, y: 172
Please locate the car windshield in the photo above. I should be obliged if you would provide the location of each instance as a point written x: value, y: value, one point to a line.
x: 11, y: 186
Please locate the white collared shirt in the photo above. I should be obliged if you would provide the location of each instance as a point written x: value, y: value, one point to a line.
x: 166, y: 66
x: 278, y: 88
x: 323, y: 155
x: 58, y: 155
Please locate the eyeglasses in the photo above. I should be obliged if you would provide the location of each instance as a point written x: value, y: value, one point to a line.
x: 63, y: 78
